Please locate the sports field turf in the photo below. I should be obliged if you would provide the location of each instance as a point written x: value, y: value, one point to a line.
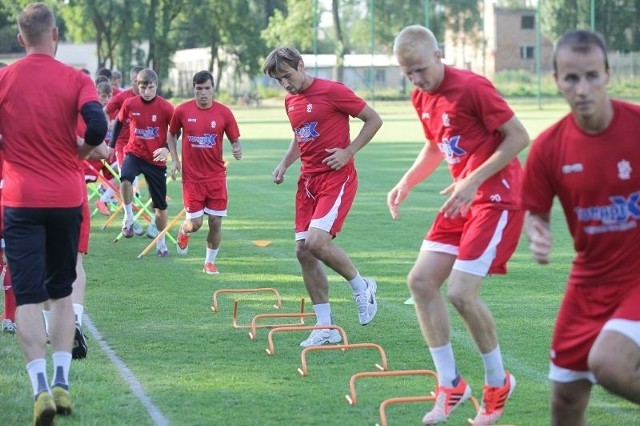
x: 196, y: 369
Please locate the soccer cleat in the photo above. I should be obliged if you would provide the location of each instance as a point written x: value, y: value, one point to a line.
x: 210, y: 268
x: 182, y: 243
x: 102, y: 207
x: 366, y: 302
x: 493, y: 401
x: 138, y: 229
x: 62, y: 399
x: 80, y: 347
x: 127, y: 228
x: 446, y: 400
x: 152, y: 230
x: 8, y: 326
x: 44, y: 409
x: 162, y: 251
x: 320, y: 337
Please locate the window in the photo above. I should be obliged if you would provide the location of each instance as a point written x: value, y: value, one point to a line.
x: 528, y: 23
x: 527, y: 52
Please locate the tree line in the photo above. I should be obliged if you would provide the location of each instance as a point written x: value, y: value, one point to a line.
x: 148, y: 32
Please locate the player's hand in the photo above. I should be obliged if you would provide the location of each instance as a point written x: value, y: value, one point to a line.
x: 160, y: 154
x: 338, y: 159
x: 236, y: 150
x: 395, y: 197
x: 278, y: 174
x: 540, y: 239
x: 462, y: 193
x: 176, y: 168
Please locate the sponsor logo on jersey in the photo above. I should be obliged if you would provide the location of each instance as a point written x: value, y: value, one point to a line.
x: 426, y: 116
x: 205, y: 141
x: 622, y: 214
x: 148, y: 133
x: 572, y: 168
x: 191, y: 120
x: 307, y: 132
x: 452, y: 152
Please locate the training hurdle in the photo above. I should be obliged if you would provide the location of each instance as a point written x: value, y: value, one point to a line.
x: 214, y: 304
x: 161, y: 233
x: 303, y: 370
x: 271, y: 349
x: 352, y: 397
x: 254, y: 326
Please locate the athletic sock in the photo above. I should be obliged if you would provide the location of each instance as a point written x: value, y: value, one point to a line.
x: 323, y: 313
x: 211, y: 255
x: 61, y: 365
x: 45, y: 315
x: 494, y: 374
x: 128, y: 212
x: 358, y: 284
x: 78, y: 310
x: 445, y: 364
x: 38, y: 374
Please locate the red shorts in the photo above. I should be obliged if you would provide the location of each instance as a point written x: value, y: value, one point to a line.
x: 208, y: 197
x: 85, y: 227
x: 483, y: 241
x: 583, y: 312
x: 323, y: 201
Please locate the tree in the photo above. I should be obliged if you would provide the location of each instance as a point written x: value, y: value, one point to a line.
x: 293, y: 26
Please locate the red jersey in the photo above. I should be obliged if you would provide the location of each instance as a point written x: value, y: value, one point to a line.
x: 203, y: 131
x: 319, y: 117
x: 40, y: 99
x: 597, y: 180
x: 112, y: 109
x: 462, y: 118
x: 148, y: 123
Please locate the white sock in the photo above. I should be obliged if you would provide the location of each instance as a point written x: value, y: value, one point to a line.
x: 445, y: 364
x: 61, y: 366
x: 38, y: 374
x: 494, y: 374
x: 211, y: 255
x: 45, y: 316
x: 358, y: 284
x: 107, y: 195
x: 128, y: 211
x: 161, y: 241
x: 323, y: 314
x: 78, y: 310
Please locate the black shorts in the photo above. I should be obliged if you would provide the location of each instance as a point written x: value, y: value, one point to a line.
x: 42, y: 250
x: 156, y: 177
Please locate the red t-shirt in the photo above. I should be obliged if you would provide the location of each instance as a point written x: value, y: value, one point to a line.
x: 112, y: 109
x: 319, y: 117
x: 597, y: 180
x: 203, y: 131
x: 462, y: 118
x: 148, y: 124
x: 40, y: 99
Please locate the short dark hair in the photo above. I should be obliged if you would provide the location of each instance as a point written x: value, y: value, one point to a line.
x: 280, y: 57
x: 104, y: 72
x: 580, y: 41
x: 101, y: 79
x: 202, y: 77
x: 34, y: 21
x: 147, y: 76
x: 134, y: 72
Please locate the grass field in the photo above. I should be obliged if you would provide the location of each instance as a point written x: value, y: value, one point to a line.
x: 196, y: 369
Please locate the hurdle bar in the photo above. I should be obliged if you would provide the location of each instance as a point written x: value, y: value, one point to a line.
x: 214, y: 305
x: 271, y: 349
x: 304, y: 370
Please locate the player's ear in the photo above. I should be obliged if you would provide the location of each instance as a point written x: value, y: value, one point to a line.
x: 21, y: 40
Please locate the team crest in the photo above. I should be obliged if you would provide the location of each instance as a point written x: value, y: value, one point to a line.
x: 309, y: 107
x: 446, y: 122
x: 213, y: 124
x: 624, y: 170
x: 425, y: 116
x: 154, y: 118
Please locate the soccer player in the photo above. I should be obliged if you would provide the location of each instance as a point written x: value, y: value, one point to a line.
x: 42, y: 205
x: 468, y: 124
x: 116, y: 82
x: 146, y: 151
x: 203, y: 123
x: 319, y: 112
x: 590, y: 161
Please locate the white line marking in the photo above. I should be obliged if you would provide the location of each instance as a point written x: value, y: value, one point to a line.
x: 127, y: 375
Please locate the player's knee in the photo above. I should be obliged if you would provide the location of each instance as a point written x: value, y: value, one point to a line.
x: 460, y: 298
x: 421, y: 286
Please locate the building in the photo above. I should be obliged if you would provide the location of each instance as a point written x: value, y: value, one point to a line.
x: 507, y: 41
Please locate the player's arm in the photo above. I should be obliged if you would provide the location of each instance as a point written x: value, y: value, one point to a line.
x: 117, y: 127
x: 96, y: 128
x: 172, y: 144
x: 538, y: 230
x: 292, y: 154
x: 425, y: 163
x: 338, y: 157
x: 463, y: 192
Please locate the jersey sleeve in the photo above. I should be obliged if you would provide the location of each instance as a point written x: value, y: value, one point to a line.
x: 492, y: 107
x: 537, y: 184
x: 175, y: 124
x: 231, y: 129
x: 346, y: 100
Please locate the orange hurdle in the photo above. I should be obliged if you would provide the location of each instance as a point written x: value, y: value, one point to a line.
x: 304, y: 371
x: 214, y: 305
x: 271, y: 349
x: 253, y: 326
x: 406, y: 399
x: 352, y: 397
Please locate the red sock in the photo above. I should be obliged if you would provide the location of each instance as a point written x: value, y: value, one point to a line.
x: 9, y: 298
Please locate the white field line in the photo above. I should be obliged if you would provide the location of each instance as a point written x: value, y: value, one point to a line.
x: 134, y: 384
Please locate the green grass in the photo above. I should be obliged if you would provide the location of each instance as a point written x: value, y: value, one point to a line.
x: 199, y: 370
